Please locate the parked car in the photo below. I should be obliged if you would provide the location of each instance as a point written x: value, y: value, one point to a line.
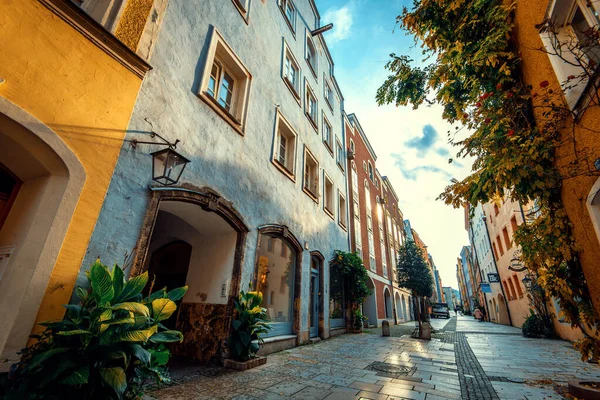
x: 440, y: 311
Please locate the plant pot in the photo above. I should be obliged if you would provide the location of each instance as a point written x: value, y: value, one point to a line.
x: 579, y: 390
x: 365, y: 324
x: 244, y: 365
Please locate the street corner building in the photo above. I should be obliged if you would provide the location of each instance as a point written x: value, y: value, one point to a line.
x: 70, y: 75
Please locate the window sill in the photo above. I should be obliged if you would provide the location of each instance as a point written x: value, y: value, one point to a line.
x: 312, y: 69
x: 341, y: 168
x: 243, y: 12
x: 292, y: 90
x: 343, y: 226
x: 95, y: 33
x: 329, y: 213
x: 329, y: 149
x: 328, y: 105
x: 312, y: 123
x: 223, y: 113
x: 311, y: 195
x: 284, y: 170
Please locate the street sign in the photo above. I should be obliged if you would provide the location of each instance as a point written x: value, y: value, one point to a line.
x: 486, y: 288
x: 493, y: 278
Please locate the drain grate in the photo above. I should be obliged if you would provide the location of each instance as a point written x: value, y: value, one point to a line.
x: 390, y: 370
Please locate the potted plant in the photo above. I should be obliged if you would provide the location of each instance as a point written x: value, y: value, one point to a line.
x: 250, y: 323
x: 358, y: 320
x: 106, y: 347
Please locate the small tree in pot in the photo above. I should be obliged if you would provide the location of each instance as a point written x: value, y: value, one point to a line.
x: 250, y: 323
x: 349, y: 274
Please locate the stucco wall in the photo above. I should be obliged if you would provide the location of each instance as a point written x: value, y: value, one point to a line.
x: 59, y: 77
x: 575, y: 190
x: 238, y: 167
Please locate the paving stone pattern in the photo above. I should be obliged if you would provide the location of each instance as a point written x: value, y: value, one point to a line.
x: 464, y: 360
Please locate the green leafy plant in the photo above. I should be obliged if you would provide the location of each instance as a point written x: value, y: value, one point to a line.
x: 246, y: 329
x: 537, y: 325
x: 358, y: 319
x: 106, y: 347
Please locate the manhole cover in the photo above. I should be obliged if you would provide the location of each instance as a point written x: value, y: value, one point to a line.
x: 392, y: 369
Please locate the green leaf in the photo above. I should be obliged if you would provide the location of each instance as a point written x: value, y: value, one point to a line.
x: 101, y: 283
x: 245, y: 338
x: 159, y: 294
x: 133, y: 287
x: 120, y: 321
x: 136, y: 308
x: 236, y: 324
x: 79, y: 376
x: 115, y: 378
x: 118, y: 280
x: 140, y: 353
x: 178, y: 293
x: 167, y: 337
x: 141, y: 335
x: 74, y: 332
x: 41, y: 357
x: 105, y: 315
x: 74, y: 312
x: 81, y: 293
x: 162, y: 309
x: 159, y: 357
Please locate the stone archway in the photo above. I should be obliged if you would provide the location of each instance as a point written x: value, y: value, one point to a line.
x: 370, y: 304
x: 387, y: 303
x: 36, y: 221
x: 399, y: 312
x: 211, y: 229
x: 407, y: 317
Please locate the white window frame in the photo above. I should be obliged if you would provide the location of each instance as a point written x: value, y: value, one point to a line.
x: 280, y: 122
x: 308, y: 92
x: 283, y: 7
x: 328, y: 196
x: 243, y: 6
x: 342, y: 210
x: 313, y: 68
x: 328, y: 143
x: 306, y: 183
x: 107, y: 14
x: 561, y: 12
x: 219, y: 51
x: 328, y: 93
x: 339, y: 154
x: 296, y: 90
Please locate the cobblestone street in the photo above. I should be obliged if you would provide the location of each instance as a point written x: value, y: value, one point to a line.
x: 464, y: 360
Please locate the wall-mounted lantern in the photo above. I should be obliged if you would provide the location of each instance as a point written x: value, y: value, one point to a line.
x: 167, y: 164
x: 527, y: 282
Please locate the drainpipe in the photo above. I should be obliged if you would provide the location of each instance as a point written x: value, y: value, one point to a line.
x: 487, y: 231
x: 485, y: 305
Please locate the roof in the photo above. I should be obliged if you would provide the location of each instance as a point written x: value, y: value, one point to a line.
x: 354, y: 119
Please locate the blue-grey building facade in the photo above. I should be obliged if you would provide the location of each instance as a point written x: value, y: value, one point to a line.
x: 251, y: 95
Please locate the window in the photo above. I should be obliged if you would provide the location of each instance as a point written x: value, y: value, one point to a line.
x: 243, y: 6
x: 513, y: 296
x: 377, y: 183
x: 311, y: 175
x: 284, y: 251
x: 513, y: 224
x: 340, y: 154
x: 342, y: 217
x: 327, y: 134
x: 328, y: 93
x: 328, y: 194
x: 495, y: 251
x: 311, y: 54
x: 226, y: 83
x: 289, y: 12
x: 365, y: 166
x: 352, y: 147
x: 506, y: 238
x: 284, y: 148
x: 336, y: 299
x: 311, y: 106
x: 371, y: 176
x: 271, y: 245
x: 291, y: 73
x: 518, y: 286
x: 276, y: 276
x: 500, y: 245
x: 496, y: 210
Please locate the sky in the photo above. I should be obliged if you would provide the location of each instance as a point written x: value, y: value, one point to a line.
x: 411, y: 145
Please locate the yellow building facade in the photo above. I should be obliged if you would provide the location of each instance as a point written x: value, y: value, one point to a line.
x: 68, y: 86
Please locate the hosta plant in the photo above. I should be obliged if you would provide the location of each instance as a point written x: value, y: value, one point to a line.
x: 250, y: 323
x: 106, y: 347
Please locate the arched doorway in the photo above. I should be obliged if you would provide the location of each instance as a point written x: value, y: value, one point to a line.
x: 370, y: 304
x: 492, y: 311
x: 502, y: 313
x: 411, y: 308
x: 387, y: 303
x: 407, y: 317
x: 40, y: 185
x: 195, y: 239
x: 399, y: 314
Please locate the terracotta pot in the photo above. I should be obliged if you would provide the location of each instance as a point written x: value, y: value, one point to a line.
x: 577, y: 389
x: 244, y: 365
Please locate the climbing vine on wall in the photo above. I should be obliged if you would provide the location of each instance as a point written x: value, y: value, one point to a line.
x: 512, y: 130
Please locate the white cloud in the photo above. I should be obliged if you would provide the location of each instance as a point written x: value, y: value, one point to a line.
x: 342, y: 23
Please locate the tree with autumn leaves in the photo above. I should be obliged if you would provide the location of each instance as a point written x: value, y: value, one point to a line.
x: 513, y: 133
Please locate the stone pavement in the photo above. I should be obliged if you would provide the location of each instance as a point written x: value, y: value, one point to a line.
x: 478, y: 361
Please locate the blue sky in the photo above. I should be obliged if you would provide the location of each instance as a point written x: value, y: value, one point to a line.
x: 411, y: 145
